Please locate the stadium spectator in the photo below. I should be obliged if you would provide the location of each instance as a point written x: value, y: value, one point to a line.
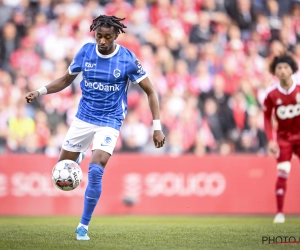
x: 253, y: 138
x: 42, y: 130
x: 25, y: 60
x: 58, y: 45
x: 225, y: 114
x: 45, y: 7
x: 188, y: 13
x: 242, y: 13
x: 19, y: 127
x: 273, y: 15
x: 41, y: 28
x: 202, y: 80
x: 190, y: 54
x: 202, y: 31
x: 210, y: 114
x: 5, y: 13
x: 134, y: 133
x: 9, y: 42
x: 139, y: 19
x: 119, y: 8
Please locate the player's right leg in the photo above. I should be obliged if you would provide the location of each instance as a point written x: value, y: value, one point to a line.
x: 283, y: 170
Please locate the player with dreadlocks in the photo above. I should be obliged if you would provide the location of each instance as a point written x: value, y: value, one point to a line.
x: 108, y: 21
x: 107, y: 69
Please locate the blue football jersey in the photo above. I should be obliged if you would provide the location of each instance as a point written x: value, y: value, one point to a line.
x: 105, y: 84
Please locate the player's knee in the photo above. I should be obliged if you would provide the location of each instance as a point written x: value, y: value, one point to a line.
x: 284, y: 167
x: 102, y: 161
x: 100, y: 157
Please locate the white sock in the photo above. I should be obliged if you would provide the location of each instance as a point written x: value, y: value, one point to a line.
x: 85, y: 226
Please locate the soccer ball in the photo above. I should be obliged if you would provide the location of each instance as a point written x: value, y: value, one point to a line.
x: 66, y: 175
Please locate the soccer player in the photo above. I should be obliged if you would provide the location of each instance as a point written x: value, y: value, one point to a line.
x: 108, y: 69
x: 283, y: 99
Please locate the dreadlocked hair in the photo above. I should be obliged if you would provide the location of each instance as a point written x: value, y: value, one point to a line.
x: 108, y: 21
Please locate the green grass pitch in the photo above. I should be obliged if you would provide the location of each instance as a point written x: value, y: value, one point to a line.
x: 147, y: 232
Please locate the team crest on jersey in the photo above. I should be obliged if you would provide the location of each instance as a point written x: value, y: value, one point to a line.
x: 117, y: 73
x: 298, y: 97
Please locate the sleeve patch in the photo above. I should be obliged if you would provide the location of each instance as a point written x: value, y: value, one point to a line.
x: 140, y: 68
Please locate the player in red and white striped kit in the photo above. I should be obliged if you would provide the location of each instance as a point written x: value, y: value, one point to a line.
x: 283, y: 101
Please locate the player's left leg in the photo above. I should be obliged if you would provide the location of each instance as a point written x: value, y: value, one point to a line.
x: 93, y: 191
x: 103, y: 146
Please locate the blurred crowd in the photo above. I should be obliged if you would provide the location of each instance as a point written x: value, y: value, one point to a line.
x: 208, y: 60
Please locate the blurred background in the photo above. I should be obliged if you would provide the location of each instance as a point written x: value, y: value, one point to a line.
x: 208, y: 60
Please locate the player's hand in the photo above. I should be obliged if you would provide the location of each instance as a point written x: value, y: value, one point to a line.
x: 273, y: 147
x: 158, y: 138
x: 30, y: 96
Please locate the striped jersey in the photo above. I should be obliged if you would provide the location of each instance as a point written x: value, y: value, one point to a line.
x: 105, y: 83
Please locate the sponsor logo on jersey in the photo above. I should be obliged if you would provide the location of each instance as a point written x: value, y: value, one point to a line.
x: 89, y: 66
x: 288, y: 112
x: 102, y: 87
x: 117, y: 73
x: 140, y: 68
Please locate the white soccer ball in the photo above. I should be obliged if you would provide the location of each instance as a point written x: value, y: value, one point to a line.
x: 66, y: 175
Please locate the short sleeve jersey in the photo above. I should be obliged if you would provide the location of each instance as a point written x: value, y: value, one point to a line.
x: 286, y: 107
x: 105, y: 84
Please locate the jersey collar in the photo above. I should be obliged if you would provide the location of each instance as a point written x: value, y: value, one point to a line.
x: 284, y: 91
x: 110, y: 55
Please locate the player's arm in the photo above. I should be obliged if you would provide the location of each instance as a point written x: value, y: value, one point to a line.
x: 268, y: 111
x: 55, y: 86
x: 158, y: 136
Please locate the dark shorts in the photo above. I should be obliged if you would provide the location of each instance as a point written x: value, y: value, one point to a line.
x: 287, y: 148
